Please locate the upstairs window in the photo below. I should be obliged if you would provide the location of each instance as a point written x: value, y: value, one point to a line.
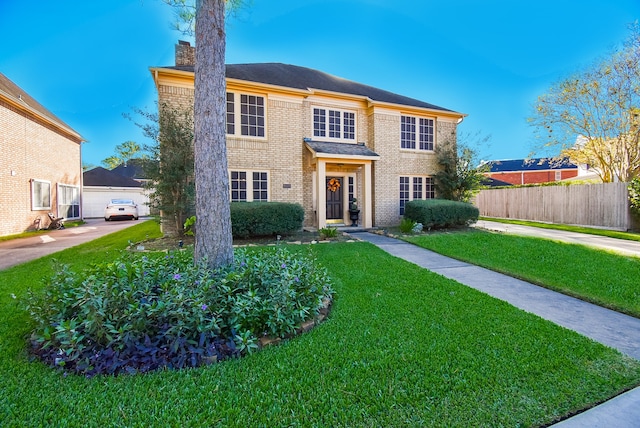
x: 251, y: 120
x: 231, y: 117
x: 334, y: 124
x: 416, y: 132
x: 252, y: 115
x: 408, y: 132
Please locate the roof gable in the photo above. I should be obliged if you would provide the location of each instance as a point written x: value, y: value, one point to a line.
x: 19, y: 98
x: 100, y: 176
x: 133, y: 169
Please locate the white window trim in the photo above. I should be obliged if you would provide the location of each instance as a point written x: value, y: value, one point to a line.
x: 249, y: 173
x: 59, y: 202
x: 333, y: 139
x: 417, y: 133
x: 237, y: 115
x: 34, y: 205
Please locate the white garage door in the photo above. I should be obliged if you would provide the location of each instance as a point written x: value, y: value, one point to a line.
x: 95, y: 199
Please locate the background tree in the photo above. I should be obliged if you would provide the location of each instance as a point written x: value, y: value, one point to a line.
x: 170, y: 167
x: 213, y: 238
x: 593, y: 115
x: 124, y: 152
x: 460, y: 177
x: 87, y: 166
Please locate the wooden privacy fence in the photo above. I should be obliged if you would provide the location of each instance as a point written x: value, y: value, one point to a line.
x: 601, y: 205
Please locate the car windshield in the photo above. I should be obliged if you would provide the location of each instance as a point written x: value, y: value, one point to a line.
x: 121, y: 202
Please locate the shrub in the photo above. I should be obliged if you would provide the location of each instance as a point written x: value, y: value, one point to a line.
x: 328, y: 232
x: 141, y: 313
x: 407, y: 225
x: 634, y: 195
x: 440, y: 213
x: 250, y: 219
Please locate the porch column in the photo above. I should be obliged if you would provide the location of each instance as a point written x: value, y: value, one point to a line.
x: 367, y: 219
x: 322, y: 193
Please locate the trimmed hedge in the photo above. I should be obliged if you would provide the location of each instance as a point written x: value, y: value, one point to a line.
x: 440, y: 213
x: 250, y: 219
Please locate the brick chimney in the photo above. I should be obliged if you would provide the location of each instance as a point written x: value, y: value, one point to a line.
x: 185, y: 54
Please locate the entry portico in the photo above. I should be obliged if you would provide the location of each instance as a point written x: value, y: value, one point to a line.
x: 340, y: 173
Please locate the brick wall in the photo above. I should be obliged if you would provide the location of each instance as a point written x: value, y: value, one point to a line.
x: 533, y: 177
x: 31, y: 149
x: 185, y: 53
x: 384, y: 134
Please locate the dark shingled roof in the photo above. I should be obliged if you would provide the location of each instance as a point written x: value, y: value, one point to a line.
x: 540, y: 164
x: 492, y: 182
x: 340, y: 149
x: 133, y: 169
x: 293, y: 76
x: 100, y: 176
x: 17, y: 94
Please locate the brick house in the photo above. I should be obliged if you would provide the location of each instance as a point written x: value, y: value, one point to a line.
x: 532, y: 171
x: 40, y: 163
x: 299, y: 135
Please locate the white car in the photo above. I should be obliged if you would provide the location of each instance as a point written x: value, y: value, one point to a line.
x: 121, y: 208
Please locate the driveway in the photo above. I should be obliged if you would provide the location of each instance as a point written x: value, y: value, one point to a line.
x: 621, y: 246
x: 22, y: 250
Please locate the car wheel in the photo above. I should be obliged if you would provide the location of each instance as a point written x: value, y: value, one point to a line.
x: 135, y: 218
x: 106, y: 219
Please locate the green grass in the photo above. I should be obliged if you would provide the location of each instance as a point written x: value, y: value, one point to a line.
x: 630, y: 236
x: 402, y: 347
x: 593, y: 275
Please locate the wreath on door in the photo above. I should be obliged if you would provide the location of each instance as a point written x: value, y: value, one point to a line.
x: 333, y: 185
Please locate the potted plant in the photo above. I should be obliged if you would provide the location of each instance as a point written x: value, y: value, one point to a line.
x: 354, y: 212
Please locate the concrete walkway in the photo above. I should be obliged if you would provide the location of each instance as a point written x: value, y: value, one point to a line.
x: 613, y: 329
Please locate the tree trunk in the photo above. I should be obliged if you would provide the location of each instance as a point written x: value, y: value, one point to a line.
x: 213, y: 216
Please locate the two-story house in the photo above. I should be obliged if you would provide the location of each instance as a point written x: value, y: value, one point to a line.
x: 300, y: 135
x: 40, y: 163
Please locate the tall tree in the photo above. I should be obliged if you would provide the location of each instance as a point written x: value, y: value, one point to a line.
x: 170, y: 167
x: 213, y: 239
x: 593, y: 116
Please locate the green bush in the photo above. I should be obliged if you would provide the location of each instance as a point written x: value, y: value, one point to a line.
x: 142, y: 313
x: 407, y: 225
x: 249, y: 219
x: 440, y: 213
x: 634, y: 195
x: 328, y: 232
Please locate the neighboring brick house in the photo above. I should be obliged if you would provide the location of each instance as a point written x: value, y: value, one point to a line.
x: 532, y: 171
x: 293, y: 133
x: 40, y: 163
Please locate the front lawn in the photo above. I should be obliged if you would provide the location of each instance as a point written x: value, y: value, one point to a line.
x: 402, y: 347
x: 597, y: 276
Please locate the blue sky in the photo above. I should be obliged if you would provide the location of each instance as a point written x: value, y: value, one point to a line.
x: 88, y: 61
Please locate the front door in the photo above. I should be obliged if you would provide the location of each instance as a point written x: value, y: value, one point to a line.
x: 334, y: 200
